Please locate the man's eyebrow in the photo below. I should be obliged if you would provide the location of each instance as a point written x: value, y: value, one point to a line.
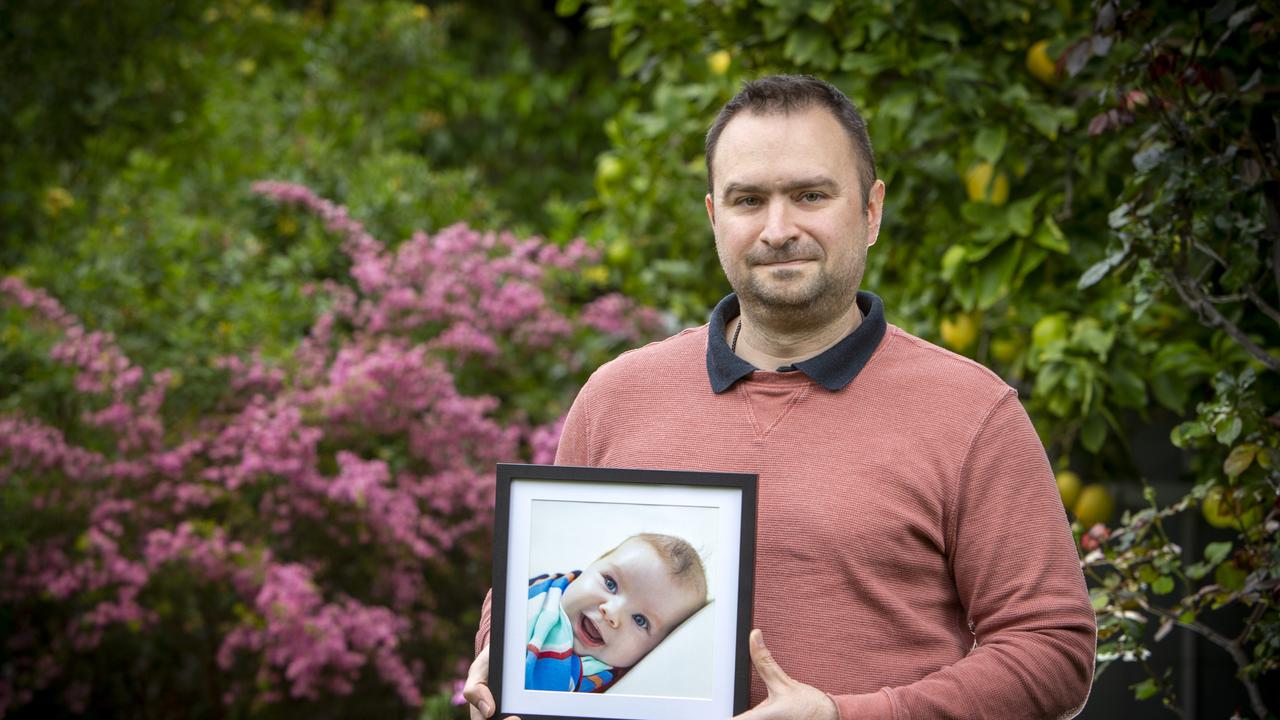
x: 819, y: 181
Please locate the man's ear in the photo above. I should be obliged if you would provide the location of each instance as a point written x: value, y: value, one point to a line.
x: 711, y: 211
x: 875, y: 211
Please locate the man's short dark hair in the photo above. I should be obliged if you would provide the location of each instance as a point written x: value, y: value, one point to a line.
x: 783, y: 94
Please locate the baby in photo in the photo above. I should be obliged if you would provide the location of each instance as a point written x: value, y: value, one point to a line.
x: 587, y: 627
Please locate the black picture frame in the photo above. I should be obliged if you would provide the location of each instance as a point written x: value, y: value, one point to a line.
x: 718, y: 507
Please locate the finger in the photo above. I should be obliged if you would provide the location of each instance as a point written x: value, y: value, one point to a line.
x: 480, y: 698
x: 479, y: 670
x: 476, y: 690
x: 770, y: 672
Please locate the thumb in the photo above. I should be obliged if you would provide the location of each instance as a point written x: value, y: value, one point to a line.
x: 770, y: 672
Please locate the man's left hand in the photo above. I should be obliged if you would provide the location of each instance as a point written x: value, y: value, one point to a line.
x: 788, y: 699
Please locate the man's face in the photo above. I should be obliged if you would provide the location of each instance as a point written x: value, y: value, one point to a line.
x: 625, y: 603
x: 787, y: 212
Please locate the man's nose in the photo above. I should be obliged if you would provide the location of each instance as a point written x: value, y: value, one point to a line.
x: 779, y: 224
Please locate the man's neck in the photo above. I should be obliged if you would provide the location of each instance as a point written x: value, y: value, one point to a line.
x: 769, y: 345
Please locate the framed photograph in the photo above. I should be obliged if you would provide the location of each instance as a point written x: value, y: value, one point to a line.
x: 621, y: 594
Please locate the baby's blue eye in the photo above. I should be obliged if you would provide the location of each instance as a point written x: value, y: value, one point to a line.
x: 641, y: 621
x: 609, y: 584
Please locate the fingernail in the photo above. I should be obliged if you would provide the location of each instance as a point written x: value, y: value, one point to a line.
x: 759, y: 638
x: 484, y: 708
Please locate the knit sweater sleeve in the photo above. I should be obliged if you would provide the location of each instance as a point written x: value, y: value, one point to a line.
x: 1018, y: 576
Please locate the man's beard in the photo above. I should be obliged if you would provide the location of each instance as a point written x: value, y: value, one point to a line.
x: 820, y: 300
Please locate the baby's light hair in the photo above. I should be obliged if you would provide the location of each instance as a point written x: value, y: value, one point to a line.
x: 681, y: 558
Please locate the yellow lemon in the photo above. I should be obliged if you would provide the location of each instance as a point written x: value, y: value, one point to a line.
x: 1005, y: 350
x: 1223, y: 511
x: 609, y: 168
x: 1068, y: 487
x: 984, y: 184
x: 1041, y: 65
x: 1094, y: 505
x: 1049, y: 329
x: 959, y: 331
x: 618, y: 252
x: 55, y: 200
x: 718, y: 62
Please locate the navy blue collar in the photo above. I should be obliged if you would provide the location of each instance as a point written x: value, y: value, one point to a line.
x: 833, y: 368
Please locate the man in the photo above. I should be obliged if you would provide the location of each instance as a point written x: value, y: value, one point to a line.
x: 913, y: 557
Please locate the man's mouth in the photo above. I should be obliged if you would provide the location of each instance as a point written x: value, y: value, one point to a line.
x: 781, y: 262
x: 589, y: 633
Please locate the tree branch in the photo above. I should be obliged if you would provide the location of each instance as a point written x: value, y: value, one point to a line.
x: 1262, y: 305
x: 1232, y: 647
x: 1210, y: 316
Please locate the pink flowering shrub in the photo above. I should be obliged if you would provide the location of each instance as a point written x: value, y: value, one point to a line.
x: 319, y: 543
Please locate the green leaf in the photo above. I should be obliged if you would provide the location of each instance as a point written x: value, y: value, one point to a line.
x: 1099, y: 599
x: 1228, y: 432
x: 1145, y: 689
x: 1230, y: 577
x: 1239, y: 460
x: 952, y: 259
x: 1216, y: 552
x: 1089, y: 333
x: 1170, y: 393
x: 634, y: 58
x: 1043, y: 119
x: 1049, y: 236
x: 996, y: 275
x: 865, y: 63
x: 1032, y: 257
x: 1093, y: 433
x: 1129, y: 389
x: 1147, y: 574
x: 1119, y: 217
x: 942, y: 31
x: 1181, y: 434
x: 1150, y: 157
x: 1195, y: 571
x: 1100, y: 269
x: 1021, y: 215
x: 812, y: 46
x: 822, y: 11
x: 1163, y: 585
x: 989, y: 143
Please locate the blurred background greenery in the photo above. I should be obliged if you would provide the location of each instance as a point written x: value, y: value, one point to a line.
x: 1082, y: 196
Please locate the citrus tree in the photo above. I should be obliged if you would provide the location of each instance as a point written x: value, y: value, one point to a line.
x: 1081, y: 197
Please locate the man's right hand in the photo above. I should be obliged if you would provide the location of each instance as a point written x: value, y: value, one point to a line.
x: 476, y: 690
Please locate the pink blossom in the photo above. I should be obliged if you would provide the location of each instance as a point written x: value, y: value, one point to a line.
x: 334, y: 501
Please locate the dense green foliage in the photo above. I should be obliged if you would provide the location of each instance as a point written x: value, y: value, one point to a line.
x: 1101, y: 230
x: 1081, y: 196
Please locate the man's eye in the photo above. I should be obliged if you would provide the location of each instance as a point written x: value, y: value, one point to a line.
x: 609, y: 584
x: 641, y: 621
x: 811, y: 197
x: 748, y: 201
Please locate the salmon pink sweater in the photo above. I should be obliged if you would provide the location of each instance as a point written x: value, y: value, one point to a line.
x: 913, y: 559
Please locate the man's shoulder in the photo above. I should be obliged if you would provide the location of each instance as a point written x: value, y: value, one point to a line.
x: 685, y: 351
x: 919, y: 362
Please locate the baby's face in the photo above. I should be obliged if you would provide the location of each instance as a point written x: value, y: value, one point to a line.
x: 625, y: 603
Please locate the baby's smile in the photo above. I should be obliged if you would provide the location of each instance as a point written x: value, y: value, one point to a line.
x: 588, y: 633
